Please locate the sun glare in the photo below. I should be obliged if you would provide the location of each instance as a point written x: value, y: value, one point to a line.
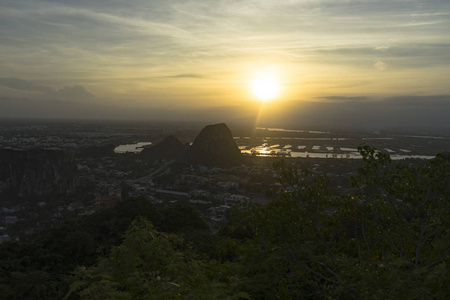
x: 265, y: 87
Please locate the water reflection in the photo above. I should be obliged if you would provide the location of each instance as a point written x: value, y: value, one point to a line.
x: 266, y: 150
x: 133, y: 148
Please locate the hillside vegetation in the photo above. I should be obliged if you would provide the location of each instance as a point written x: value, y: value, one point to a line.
x: 388, y: 238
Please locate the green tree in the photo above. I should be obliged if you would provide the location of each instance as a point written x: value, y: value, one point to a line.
x: 389, y: 238
x: 400, y: 225
x: 154, y: 265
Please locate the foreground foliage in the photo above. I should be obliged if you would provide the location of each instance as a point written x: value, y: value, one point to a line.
x: 154, y: 265
x: 43, y: 269
x: 386, y: 238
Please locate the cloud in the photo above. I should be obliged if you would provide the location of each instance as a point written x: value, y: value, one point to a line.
x: 358, y: 112
x: 67, y: 93
x: 402, y: 111
x: 420, y: 101
x: 23, y: 85
x: 185, y: 75
x: 380, y: 66
x: 382, y: 48
x: 421, y: 24
x: 110, y: 45
x: 75, y: 92
x: 344, y: 98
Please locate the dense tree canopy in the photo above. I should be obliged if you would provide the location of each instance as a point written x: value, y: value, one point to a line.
x: 388, y: 237
x: 154, y: 265
x: 42, y: 269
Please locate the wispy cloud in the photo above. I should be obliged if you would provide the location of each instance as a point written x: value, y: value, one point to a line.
x: 380, y: 66
x: 142, y: 49
x: 421, y: 101
x: 67, y: 93
x: 420, y: 23
x: 341, y: 99
x: 23, y: 85
x: 382, y: 48
x: 185, y: 75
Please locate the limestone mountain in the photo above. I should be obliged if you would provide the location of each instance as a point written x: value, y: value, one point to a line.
x: 169, y: 148
x: 215, y: 146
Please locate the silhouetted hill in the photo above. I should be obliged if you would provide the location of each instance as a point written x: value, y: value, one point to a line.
x: 169, y: 148
x: 215, y: 146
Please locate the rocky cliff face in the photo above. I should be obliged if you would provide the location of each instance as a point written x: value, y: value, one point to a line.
x: 37, y: 172
x: 169, y: 148
x: 215, y: 146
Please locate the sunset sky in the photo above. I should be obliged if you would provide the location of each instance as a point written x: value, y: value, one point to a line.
x: 377, y: 62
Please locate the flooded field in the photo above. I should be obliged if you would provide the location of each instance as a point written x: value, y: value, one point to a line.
x: 275, y: 142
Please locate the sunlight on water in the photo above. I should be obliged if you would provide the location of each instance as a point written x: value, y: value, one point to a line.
x: 133, y: 148
x: 266, y: 150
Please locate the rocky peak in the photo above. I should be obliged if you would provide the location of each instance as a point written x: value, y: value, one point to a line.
x: 215, y: 146
x: 169, y: 148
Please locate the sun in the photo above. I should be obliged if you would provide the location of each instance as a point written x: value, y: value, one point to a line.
x: 265, y: 87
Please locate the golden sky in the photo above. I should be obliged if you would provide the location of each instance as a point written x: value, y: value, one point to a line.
x: 189, y: 59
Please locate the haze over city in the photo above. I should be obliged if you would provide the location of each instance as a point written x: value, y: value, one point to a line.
x: 373, y: 64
